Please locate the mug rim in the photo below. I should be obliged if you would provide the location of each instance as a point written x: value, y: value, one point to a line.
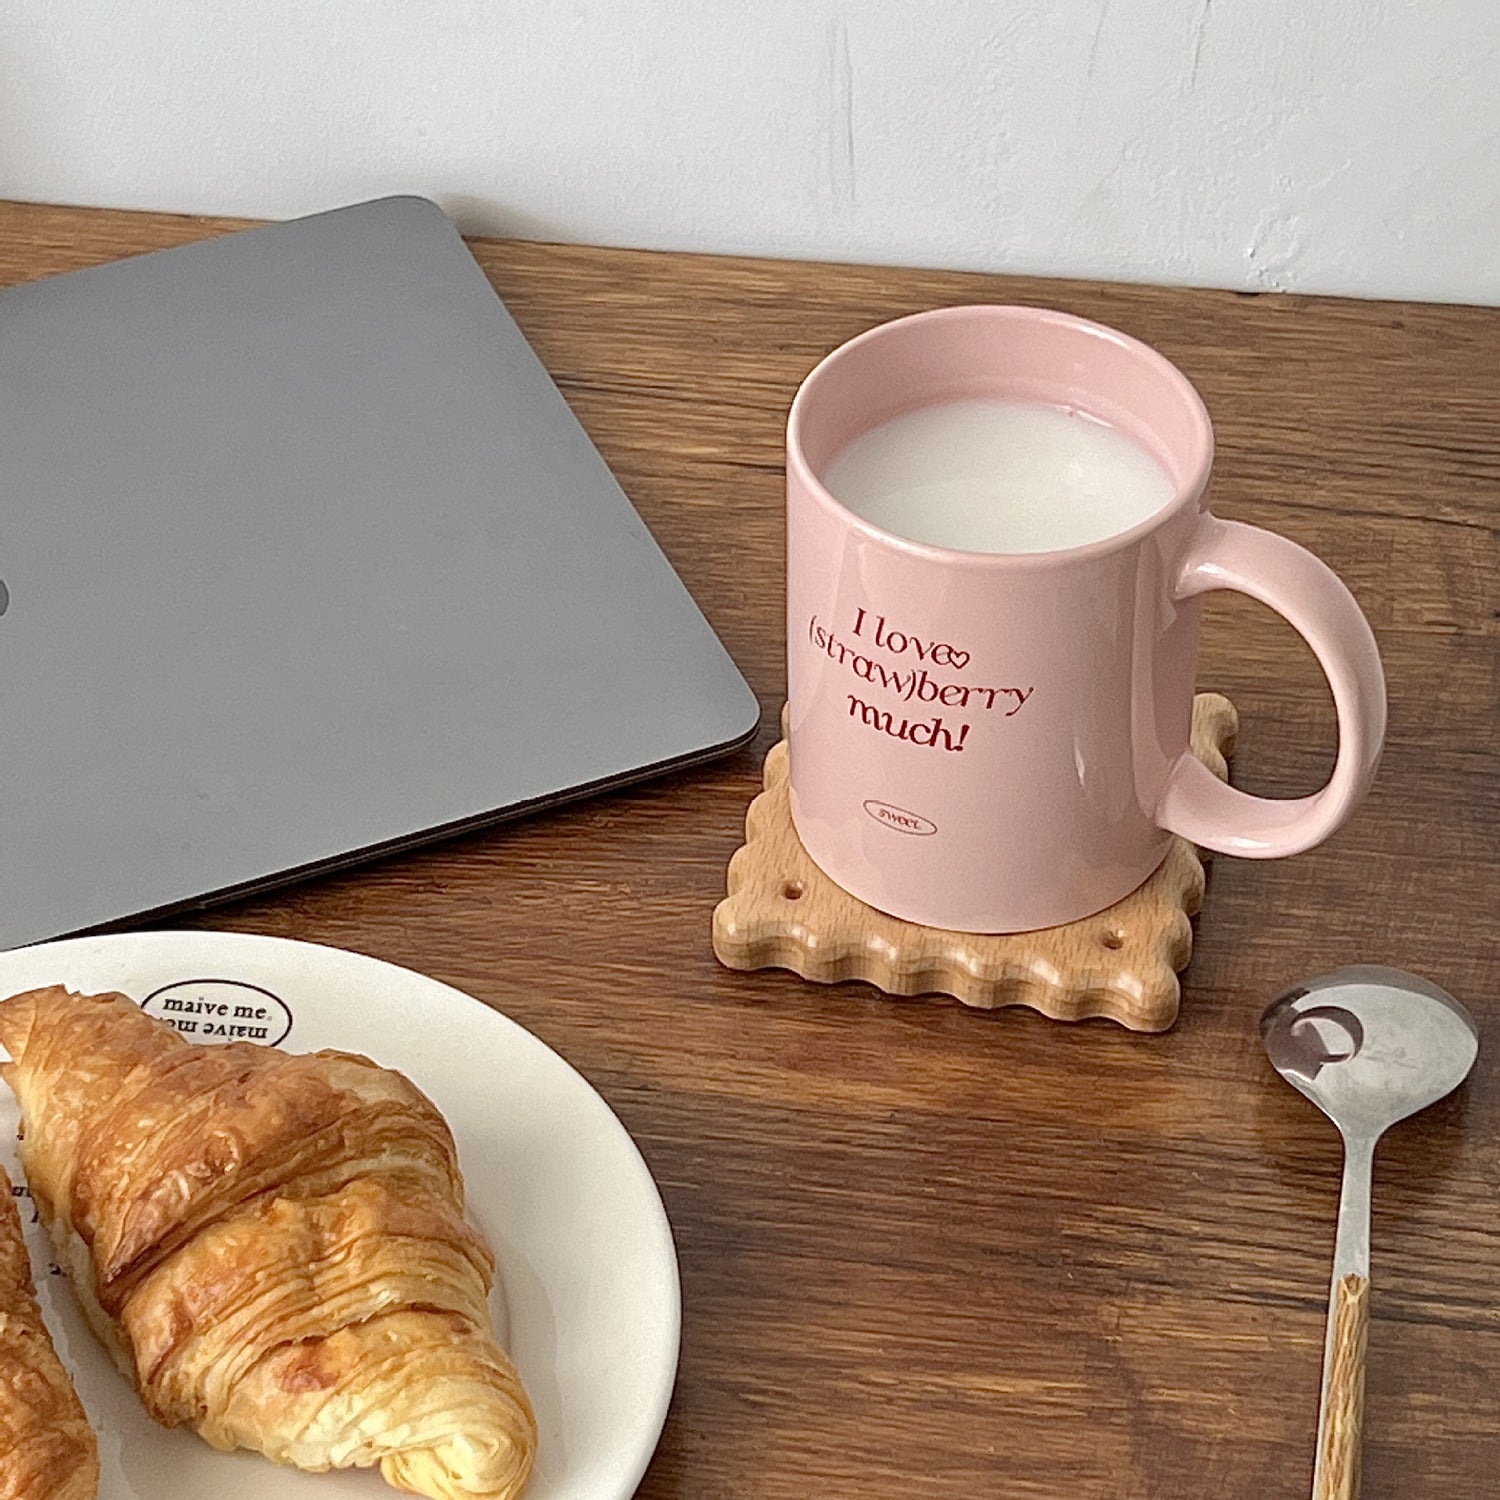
x: 1185, y: 495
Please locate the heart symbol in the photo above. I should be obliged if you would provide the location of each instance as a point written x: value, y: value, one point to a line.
x: 960, y: 659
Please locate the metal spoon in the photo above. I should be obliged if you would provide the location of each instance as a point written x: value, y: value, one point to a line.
x: 1369, y: 1046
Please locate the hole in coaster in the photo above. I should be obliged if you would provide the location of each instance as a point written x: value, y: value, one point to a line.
x: 792, y: 890
x: 1113, y: 939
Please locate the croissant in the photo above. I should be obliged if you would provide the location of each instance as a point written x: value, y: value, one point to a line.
x: 271, y: 1246
x: 47, y: 1448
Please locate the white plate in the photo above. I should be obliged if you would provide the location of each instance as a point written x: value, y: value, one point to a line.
x: 588, y: 1271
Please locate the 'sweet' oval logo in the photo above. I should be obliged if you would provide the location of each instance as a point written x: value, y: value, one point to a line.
x: 889, y: 816
x: 221, y: 1010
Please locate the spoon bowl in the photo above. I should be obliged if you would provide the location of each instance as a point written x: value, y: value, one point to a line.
x: 1370, y: 1046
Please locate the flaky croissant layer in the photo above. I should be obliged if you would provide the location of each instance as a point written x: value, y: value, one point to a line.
x: 47, y: 1448
x: 271, y: 1245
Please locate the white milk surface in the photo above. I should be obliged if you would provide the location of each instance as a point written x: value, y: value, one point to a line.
x: 998, y: 476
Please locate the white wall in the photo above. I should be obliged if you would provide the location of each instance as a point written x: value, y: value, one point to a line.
x: 1314, y: 145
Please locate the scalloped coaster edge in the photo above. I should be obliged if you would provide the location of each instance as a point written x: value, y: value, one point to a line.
x: 781, y: 911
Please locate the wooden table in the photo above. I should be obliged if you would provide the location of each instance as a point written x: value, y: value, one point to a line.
x: 927, y: 1251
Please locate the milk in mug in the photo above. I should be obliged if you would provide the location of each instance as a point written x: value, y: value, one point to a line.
x: 989, y: 475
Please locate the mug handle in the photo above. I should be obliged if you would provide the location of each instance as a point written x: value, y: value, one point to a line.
x: 1313, y: 600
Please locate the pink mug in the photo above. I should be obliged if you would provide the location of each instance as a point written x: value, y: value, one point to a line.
x: 997, y: 742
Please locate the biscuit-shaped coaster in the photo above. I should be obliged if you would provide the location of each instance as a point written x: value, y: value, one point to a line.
x: 783, y: 912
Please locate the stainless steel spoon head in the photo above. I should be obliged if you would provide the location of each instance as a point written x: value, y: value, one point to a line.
x: 1369, y: 1045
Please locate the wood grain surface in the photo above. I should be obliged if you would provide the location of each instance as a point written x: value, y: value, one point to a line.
x: 928, y: 1251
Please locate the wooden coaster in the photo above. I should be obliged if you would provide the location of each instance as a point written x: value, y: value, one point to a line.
x: 783, y: 912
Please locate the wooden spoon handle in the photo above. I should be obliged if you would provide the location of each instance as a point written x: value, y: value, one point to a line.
x: 1343, y: 1414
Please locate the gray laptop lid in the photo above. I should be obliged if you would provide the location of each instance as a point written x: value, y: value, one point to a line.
x: 307, y: 559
